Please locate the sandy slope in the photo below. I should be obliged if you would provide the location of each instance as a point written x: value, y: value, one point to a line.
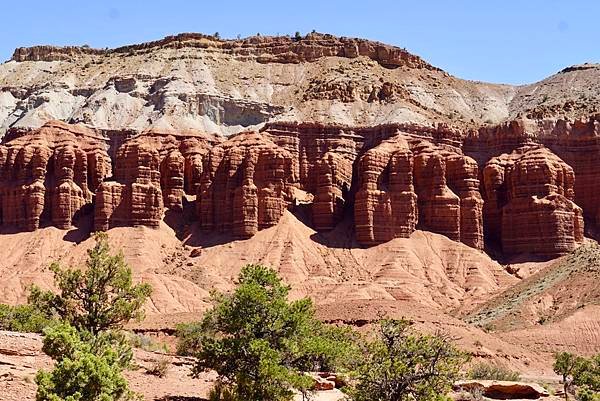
x: 427, y: 268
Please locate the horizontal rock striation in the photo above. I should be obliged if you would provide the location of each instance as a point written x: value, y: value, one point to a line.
x: 245, y: 185
x: 134, y: 196
x: 49, y: 176
x: 153, y: 171
x: 529, y: 203
x: 264, y: 49
x: 385, y: 204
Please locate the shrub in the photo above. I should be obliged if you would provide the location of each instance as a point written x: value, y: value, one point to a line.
x: 587, y: 394
x: 221, y: 392
x: 87, y: 367
x: 159, y: 368
x: 401, y: 364
x: 100, y: 298
x: 189, y: 337
x: 489, y: 371
x: 259, y: 343
x: 146, y: 343
x: 23, y: 318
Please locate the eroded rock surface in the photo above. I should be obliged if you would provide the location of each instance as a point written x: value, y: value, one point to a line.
x: 49, y: 176
x: 506, y: 187
x: 245, y: 185
x: 503, y: 390
x: 531, y: 204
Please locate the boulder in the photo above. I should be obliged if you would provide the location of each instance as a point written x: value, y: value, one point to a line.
x: 503, y: 390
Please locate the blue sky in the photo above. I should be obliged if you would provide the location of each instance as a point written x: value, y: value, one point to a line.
x: 498, y: 41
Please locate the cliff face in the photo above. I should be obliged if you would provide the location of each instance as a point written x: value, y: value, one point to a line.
x: 337, y: 130
x: 264, y: 49
x: 514, y: 186
x: 198, y: 82
x: 50, y: 175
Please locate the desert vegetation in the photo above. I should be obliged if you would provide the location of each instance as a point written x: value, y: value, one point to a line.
x: 580, y: 375
x: 263, y: 347
x: 86, y: 340
x: 491, y: 371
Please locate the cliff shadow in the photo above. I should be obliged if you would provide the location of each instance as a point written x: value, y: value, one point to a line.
x: 83, y: 223
x: 182, y: 221
x: 198, y: 237
x: 341, y: 236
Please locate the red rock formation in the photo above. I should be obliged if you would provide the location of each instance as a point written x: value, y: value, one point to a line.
x: 46, y: 174
x: 245, y: 185
x: 135, y: 197
x: 385, y: 204
x: 529, y: 203
x: 23, y: 189
x: 463, y: 178
x: 172, y: 172
x: 396, y: 176
x: 323, y: 159
x: 333, y: 180
x: 578, y: 144
x: 70, y: 192
x: 439, y: 207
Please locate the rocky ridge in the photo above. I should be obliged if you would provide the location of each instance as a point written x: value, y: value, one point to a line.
x: 195, y: 81
x: 265, y: 49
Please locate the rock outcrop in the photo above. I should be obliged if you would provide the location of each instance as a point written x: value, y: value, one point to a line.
x: 48, y: 176
x: 333, y: 179
x: 503, y: 390
x: 134, y: 197
x: 389, y: 179
x: 172, y: 179
x: 385, y: 204
x: 529, y: 200
x: 245, y: 185
x: 264, y: 49
x: 152, y: 172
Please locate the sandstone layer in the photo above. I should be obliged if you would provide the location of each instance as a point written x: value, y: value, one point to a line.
x: 505, y: 187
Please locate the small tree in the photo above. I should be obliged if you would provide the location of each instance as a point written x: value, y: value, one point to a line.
x: 217, y: 35
x: 298, y: 36
x: 258, y: 342
x: 87, y: 367
x: 587, y: 377
x: 567, y: 365
x: 403, y: 365
x: 101, y: 297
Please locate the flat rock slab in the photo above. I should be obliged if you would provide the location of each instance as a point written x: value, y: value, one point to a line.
x: 503, y: 390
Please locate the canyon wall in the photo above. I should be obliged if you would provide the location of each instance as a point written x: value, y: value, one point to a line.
x: 522, y: 187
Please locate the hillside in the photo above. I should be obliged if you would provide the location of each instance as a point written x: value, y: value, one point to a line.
x: 544, y: 297
x: 194, y: 81
x: 372, y: 181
